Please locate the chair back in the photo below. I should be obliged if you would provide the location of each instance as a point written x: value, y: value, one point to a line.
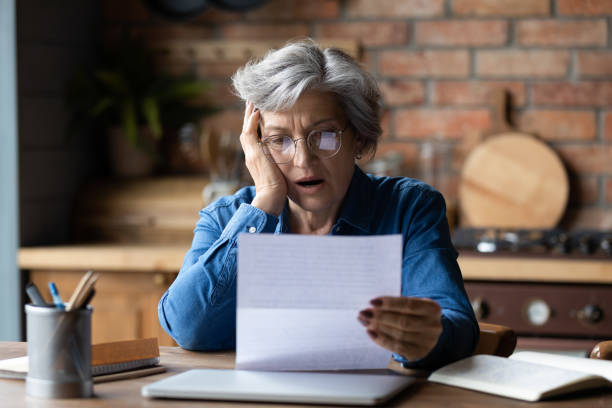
x: 602, y: 351
x: 495, y: 339
x: 501, y: 341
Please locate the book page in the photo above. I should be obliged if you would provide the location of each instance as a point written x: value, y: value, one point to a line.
x: 299, y: 296
x: 18, y: 367
x: 14, y: 367
x: 106, y: 358
x: 509, y: 378
x: 585, y: 365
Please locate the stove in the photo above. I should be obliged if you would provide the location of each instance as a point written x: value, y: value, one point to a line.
x: 551, y: 241
x: 546, y: 314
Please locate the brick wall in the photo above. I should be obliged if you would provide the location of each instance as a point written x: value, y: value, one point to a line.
x: 52, y: 43
x: 437, y: 62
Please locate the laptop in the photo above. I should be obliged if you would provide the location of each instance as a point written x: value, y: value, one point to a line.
x: 274, y: 386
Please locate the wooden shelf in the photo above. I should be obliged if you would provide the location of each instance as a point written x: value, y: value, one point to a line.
x: 535, y: 269
x: 108, y: 257
x: 169, y: 258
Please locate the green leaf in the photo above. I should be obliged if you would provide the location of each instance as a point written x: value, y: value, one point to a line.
x: 129, y: 121
x: 150, y: 111
x: 114, y: 81
x: 126, y: 89
x: 181, y: 89
x: 101, y: 106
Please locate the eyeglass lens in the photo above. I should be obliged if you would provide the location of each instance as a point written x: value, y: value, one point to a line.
x: 324, y: 144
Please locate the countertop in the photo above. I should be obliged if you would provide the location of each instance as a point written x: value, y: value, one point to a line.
x: 169, y: 258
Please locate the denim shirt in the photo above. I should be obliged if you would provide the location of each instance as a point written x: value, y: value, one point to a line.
x: 199, y: 308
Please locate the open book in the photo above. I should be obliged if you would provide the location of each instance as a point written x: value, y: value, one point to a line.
x: 109, y: 361
x: 528, y: 376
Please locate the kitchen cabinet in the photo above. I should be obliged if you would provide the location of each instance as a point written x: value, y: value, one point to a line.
x: 132, y: 280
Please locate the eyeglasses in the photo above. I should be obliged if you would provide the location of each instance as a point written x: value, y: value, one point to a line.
x: 281, y: 149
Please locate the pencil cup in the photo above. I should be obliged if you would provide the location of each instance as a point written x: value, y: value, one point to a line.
x: 59, y: 352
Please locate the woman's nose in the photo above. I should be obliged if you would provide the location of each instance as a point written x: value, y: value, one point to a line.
x: 303, y: 155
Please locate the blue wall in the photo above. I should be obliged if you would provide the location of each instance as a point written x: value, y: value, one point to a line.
x: 10, y: 285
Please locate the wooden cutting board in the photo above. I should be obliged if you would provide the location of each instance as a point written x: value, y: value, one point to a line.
x: 513, y: 180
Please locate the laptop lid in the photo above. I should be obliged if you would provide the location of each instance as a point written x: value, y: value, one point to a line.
x: 274, y: 386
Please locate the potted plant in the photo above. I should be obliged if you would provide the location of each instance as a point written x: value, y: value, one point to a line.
x: 135, y: 104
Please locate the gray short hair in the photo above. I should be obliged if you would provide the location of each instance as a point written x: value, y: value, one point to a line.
x: 276, y: 82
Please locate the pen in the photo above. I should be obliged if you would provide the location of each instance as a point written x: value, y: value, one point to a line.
x: 35, y: 296
x: 56, y: 297
x: 82, y: 291
x: 89, y: 297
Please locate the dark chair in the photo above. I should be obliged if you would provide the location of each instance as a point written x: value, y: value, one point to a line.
x: 501, y: 341
x: 602, y: 351
x: 495, y: 339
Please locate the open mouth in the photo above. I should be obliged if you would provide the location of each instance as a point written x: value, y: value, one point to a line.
x: 309, y: 183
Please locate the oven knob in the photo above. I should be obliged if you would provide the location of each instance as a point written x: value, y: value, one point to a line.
x: 606, y: 245
x: 590, y: 314
x: 537, y: 312
x: 560, y: 243
x: 586, y: 245
x: 481, y: 308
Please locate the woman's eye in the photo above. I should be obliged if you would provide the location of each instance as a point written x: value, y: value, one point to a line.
x: 275, y: 140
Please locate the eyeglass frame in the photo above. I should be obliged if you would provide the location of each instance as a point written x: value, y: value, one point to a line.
x: 305, y: 139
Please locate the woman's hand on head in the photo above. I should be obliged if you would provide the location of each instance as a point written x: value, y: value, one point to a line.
x: 270, y: 184
x: 408, y: 326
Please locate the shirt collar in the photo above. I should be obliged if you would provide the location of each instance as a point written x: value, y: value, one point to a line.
x: 357, y: 204
x: 283, y: 220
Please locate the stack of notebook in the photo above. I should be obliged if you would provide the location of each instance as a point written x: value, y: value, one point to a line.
x: 109, y: 361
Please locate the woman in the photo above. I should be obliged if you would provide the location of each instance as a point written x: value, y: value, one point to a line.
x: 309, y: 115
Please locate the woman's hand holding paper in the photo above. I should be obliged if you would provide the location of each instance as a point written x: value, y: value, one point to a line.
x: 408, y: 326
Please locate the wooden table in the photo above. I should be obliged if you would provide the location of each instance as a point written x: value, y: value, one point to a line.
x: 127, y: 393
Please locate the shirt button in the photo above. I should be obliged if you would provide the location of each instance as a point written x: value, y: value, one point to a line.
x: 252, y: 230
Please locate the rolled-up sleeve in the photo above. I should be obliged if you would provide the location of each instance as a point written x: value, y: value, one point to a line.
x: 430, y: 269
x: 199, y: 309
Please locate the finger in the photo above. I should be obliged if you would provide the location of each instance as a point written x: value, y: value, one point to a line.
x: 253, y: 122
x: 248, y: 109
x: 427, y: 335
x: 402, y: 321
x: 404, y: 304
x: 411, y: 351
x: 249, y: 132
x: 391, y: 331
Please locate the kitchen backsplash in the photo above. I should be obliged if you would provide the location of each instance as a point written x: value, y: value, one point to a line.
x: 437, y: 62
